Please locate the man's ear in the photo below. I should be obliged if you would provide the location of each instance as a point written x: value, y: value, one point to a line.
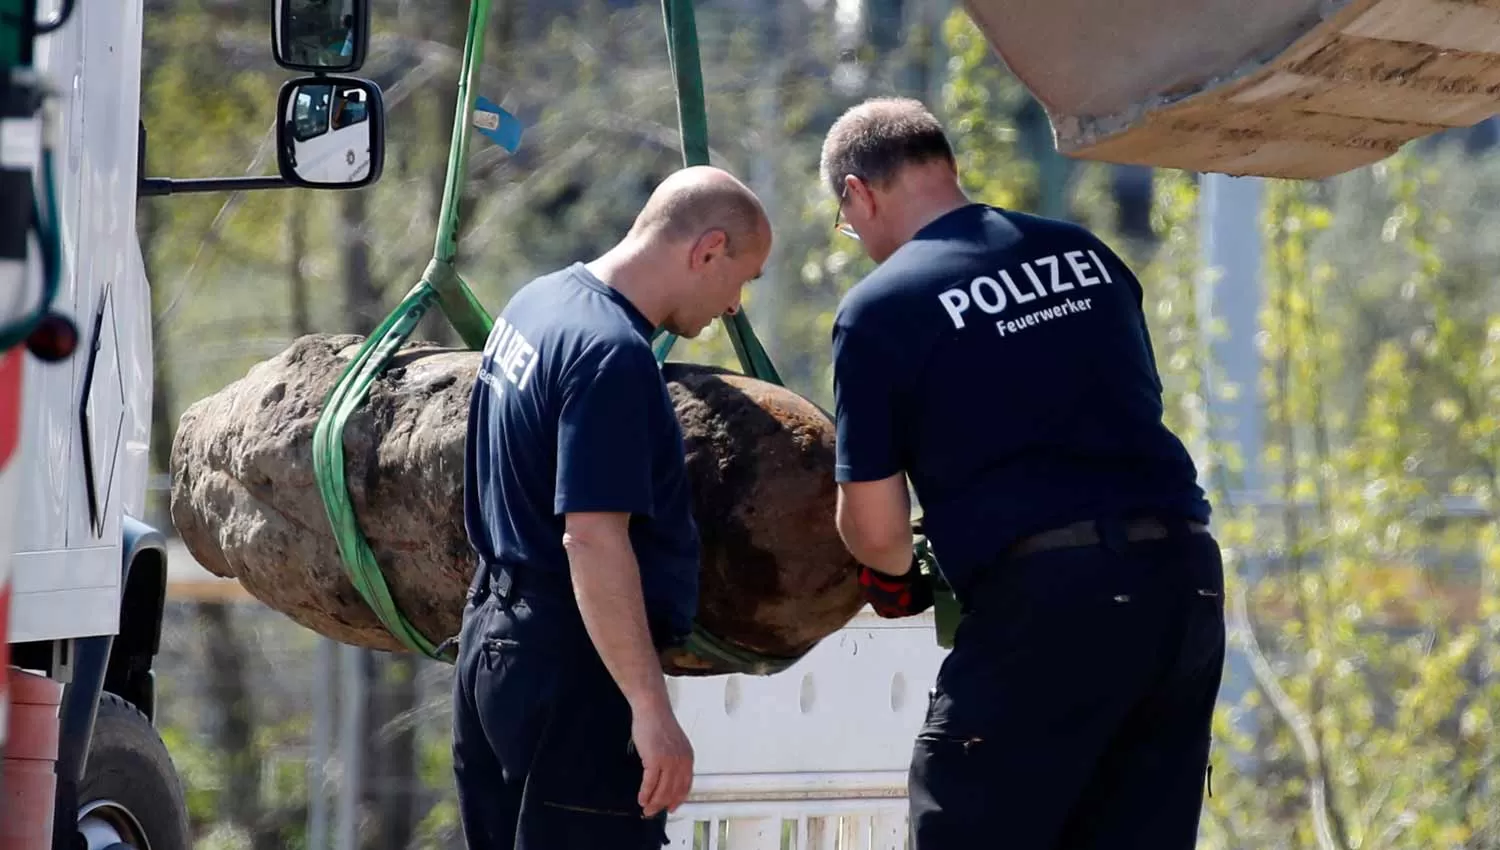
x: 710, y: 245
x: 860, y: 194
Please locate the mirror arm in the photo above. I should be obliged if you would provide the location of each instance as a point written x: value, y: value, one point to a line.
x: 155, y: 186
x: 151, y: 187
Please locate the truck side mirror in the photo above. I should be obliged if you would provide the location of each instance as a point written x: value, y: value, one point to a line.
x: 320, y: 36
x: 330, y: 132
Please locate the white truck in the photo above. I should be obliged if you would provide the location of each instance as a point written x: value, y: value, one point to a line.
x: 85, y: 578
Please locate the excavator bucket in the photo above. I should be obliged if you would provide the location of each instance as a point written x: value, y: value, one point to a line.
x: 1301, y: 89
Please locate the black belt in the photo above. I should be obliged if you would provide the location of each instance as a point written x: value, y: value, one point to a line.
x: 502, y: 582
x: 1088, y: 533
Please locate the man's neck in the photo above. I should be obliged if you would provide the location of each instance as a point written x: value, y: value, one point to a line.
x: 924, y: 211
x: 926, y: 196
x: 629, y: 269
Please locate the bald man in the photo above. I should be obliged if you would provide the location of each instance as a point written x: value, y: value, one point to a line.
x: 577, y: 504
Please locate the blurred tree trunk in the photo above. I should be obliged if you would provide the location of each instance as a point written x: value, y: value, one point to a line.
x: 233, y: 714
x: 362, y: 303
x: 882, y: 20
x: 392, y: 752
x: 296, y: 225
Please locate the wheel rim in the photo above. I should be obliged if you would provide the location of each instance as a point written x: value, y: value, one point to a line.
x: 105, y: 823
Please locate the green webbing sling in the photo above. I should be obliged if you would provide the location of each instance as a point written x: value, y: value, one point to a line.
x: 440, y: 282
x: 692, y: 120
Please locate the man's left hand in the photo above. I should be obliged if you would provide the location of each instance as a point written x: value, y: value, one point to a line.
x: 906, y: 595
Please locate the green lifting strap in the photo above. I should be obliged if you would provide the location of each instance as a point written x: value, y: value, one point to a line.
x: 692, y: 119
x: 692, y: 116
x: 441, y: 284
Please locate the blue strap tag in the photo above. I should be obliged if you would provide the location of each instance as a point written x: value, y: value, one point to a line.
x: 497, y: 125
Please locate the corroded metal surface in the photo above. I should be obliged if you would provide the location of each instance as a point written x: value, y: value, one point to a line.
x: 775, y: 579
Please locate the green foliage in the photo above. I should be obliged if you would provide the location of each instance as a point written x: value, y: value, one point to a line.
x: 199, y: 775
x: 1369, y: 720
x: 979, y: 98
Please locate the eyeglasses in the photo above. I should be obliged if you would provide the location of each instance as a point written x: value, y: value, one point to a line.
x: 838, y: 216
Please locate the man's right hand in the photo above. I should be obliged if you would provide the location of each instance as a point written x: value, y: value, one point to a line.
x: 906, y: 595
x: 667, y: 756
x: 607, y: 582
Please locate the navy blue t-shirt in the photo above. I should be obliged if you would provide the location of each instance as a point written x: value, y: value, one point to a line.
x: 570, y: 414
x: 1002, y: 361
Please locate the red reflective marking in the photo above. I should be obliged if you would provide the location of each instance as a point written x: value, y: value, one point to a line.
x: 10, y: 403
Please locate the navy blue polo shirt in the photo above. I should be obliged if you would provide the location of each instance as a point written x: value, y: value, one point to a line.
x: 570, y: 414
x: 1001, y: 360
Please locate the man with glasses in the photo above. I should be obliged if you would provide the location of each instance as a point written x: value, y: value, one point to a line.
x: 1000, y: 362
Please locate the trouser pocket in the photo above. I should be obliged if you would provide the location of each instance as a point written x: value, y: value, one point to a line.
x: 585, y: 767
x: 584, y: 785
x: 949, y: 791
x: 555, y: 826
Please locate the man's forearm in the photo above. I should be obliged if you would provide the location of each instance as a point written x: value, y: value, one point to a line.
x: 894, y: 558
x: 607, y: 583
x: 887, y: 549
x: 874, y: 521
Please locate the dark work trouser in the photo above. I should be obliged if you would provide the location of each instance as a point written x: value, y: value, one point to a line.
x: 541, y: 735
x: 1074, y: 710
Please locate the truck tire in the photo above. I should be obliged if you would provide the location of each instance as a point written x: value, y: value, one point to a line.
x: 130, y: 793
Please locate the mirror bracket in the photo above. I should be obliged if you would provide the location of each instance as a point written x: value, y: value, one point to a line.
x: 155, y: 187
x: 151, y: 187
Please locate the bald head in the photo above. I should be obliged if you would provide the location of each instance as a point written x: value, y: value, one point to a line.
x: 699, y: 199
x: 702, y: 236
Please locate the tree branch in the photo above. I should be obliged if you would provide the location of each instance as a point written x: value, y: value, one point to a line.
x: 1225, y: 826
x: 1296, y: 720
x: 1321, y: 461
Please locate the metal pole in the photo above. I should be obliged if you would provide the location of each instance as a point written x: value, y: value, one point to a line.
x: 351, y: 745
x: 1231, y: 246
x: 322, y: 745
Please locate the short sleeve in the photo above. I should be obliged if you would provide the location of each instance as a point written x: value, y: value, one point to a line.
x: 604, y: 445
x: 1118, y: 270
x: 865, y: 409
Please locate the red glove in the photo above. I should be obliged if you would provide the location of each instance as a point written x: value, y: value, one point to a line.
x: 891, y: 596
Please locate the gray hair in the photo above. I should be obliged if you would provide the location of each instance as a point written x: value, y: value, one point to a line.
x: 874, y: 140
